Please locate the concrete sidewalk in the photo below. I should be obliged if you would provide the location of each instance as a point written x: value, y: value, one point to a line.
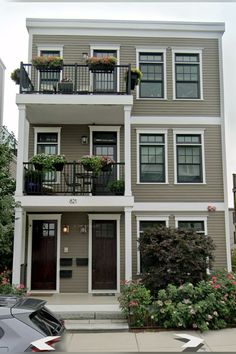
x: 163, y: 341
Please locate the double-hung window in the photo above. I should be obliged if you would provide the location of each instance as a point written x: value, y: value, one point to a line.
x: 47, y: 141
x: 152, y: 158
x: 195, y: 225
x: 152, y: 81
x: 49, y: 78
x: 143, y: 224
x: 187, y: 76
x: 189, y: 158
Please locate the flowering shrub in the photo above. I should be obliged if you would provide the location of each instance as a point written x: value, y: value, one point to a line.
x: 210, y: 304
x: 105, y: 161
x: 7, y: 289
x: 134, y: 301
x: 95, y: 163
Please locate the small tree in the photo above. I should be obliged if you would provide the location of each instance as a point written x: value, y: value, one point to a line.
x: 173, y: 256
x: 7, y: 187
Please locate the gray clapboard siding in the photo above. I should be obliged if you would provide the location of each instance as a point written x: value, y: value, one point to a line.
x: 212, y: 190
x: 71, y: 145
x: 74, y: 46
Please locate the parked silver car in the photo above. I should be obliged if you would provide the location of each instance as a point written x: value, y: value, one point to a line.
x: 26, y: 320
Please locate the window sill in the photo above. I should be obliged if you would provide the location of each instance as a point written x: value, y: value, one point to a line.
x: 150, y: 99
x: 186, y: 184
x: 151, y: 183
x: 188, y: 99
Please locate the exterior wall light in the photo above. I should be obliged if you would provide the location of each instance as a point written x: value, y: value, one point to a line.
x: 65, y: 229
x: 84, y: 140
x: 83, y: 229
x: 85, y: 56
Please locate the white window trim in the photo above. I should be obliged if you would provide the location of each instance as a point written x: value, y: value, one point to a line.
x: 46, y: 217
x: 47, y: 130
x: 189, y: 131
x: 107, y: 47
x: 104, y: 217
x: 49, y: 47
x: 152, y: 131
x: 187, y: 51
x: 147, y: 218
x: 153, y: 50
x: 192, y: 218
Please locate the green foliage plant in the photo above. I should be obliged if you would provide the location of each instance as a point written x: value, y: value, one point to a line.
x: 7, y: 204
x: 91, y: 163
x: 117, y: 187
x: 134, y: 301
x: 15, y: 76
x: 173, y: 256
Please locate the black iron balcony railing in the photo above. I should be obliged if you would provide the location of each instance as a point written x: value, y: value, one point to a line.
x: 74, y: 180
x: 75, y: 79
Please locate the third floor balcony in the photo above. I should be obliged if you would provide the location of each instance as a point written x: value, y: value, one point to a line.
x: 75, y: 79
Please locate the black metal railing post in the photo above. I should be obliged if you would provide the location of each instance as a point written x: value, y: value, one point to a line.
x: 74, y: 177
x: 75, y: 81
x: 129, y: 80
x: 21, y: 75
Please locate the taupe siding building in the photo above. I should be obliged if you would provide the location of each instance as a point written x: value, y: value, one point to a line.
x: 77, y: 229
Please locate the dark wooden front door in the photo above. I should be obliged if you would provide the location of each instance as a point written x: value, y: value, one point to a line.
x: 44, y: 255
x: 104, y: 255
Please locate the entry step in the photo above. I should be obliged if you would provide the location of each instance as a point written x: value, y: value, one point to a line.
x: 120, y: 325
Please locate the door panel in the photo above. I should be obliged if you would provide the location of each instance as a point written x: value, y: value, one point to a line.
x: 44, y: 255
x: 104, y: 82
x: 104, y: 255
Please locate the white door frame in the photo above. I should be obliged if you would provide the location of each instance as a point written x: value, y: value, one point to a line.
x: 33, y: 217
x: 104, y: 217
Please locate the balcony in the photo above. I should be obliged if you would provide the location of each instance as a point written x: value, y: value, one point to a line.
x: 73, y: 180
x: 75, y: 79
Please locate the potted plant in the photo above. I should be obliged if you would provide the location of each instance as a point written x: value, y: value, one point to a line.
x: 33, y: 182
x: 101, y: 64
x: 106, y: 163
x: 117, y: 187
x: 44, y: 162
x: 43, y: 63
x: 91, y: 163
x: 58, y: 162
x: 136, y: 76
x: 15, y: 76
x: 65, y: 85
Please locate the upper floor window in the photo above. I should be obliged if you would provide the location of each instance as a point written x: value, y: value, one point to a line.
x: 189, y: 158
x: 152, y: 81
x: 187, y: 76
x: 152, y: 158
x: 48, y: 79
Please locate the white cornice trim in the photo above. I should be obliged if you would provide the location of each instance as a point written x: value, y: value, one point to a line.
x: 117, y: 24
x: 2, y: 64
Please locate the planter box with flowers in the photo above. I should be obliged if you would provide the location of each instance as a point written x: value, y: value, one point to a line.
x: 47, y: 63
x: 65, y: 86
x: 44, y: 162
x: 101, y: 64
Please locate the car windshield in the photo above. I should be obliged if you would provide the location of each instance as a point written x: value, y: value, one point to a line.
x: 46, y: 322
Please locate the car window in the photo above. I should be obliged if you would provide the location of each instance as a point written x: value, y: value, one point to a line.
x: 1, y: 332
x: 46, y: 322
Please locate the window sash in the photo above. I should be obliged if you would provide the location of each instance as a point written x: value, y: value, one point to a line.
x: 197, y: 225
x: 152, y: 81
x: 187, y: 86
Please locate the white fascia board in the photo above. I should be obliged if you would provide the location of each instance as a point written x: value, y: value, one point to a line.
x: 121, y: 24
x: 176, y: 120
x: 2, y: 65
x: 75, y: 99
x: 167, y: 207
x: 74, y: 203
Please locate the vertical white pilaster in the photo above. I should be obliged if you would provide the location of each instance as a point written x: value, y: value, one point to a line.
x: 22, y: 154
x: 127, y: 159
x: 18, y: 251
x: 128, y: 243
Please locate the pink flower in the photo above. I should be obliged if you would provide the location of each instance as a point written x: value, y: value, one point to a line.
x: 217, y: 286
x: 20, y: 286
x: 229, y: 276
x: 233, y: 282
x: 5, y: 281
x: 133, y: 303
x: 214, y: 279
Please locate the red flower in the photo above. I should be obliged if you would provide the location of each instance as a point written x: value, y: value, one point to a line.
x: 217, y: 286
x: 233, y: 282
x: 214, y: 279
x: 229, y: 276
x: 133, y: 303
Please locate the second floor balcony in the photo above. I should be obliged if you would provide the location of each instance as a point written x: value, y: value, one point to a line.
x: 75, y: 79
x: 74, y: 179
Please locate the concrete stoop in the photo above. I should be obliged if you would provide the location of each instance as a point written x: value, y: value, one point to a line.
x: 96, y: 325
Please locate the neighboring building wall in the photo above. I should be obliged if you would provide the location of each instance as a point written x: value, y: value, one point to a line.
x: 2, y: 79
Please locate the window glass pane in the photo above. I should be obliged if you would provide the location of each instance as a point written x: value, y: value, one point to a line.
x: 193, y: 225
x: 187, y: 90
x: 151, y: 89
x: 147, y: 224
x: 151, y: 57
x: 193, y: 139
x: 47, y: 137
x: 187, y: 58
x: 151, y: 138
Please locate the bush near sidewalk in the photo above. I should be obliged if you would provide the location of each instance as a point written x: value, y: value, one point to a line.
x: 174, y: 256
x: 210, y: 304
